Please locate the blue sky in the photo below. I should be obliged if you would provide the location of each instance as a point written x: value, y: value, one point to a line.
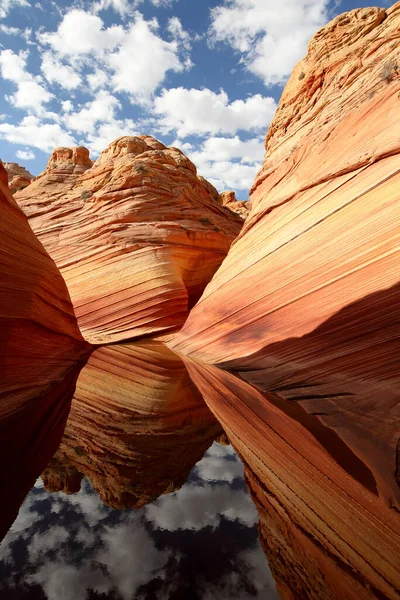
x: 204, y: 75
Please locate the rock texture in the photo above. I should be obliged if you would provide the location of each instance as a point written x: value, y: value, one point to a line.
x: 18, y: 176
x: 325, y: 531
x: 136, y: 235
x: 306, y: 304
x: 228, y: 199
x: 136, y: 428
x: 41, y: 354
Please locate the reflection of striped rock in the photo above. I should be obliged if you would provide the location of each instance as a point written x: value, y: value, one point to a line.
x: 136, y: 428
x: 137, y: 236
x: 306, y: 307
x: 41, y: 353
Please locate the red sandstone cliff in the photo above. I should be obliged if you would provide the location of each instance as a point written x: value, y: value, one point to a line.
x: 136, y: 428
x: 136, y: 235
x: 228, y: 199
x: 41, y: 353
x: 306, y: 307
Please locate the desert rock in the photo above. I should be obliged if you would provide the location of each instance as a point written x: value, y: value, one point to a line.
x: 136, y: 236
x: 228, y: 199
x: 306, y: 304
x: 18, y: 176
x: 136, y: 428
x: 42, y: 352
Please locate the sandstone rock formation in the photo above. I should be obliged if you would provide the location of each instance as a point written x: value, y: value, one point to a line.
x: 41, y: 354
x: 228, y: 199
x: 18, y: 176
x: 136, y: 428
x: 326, y: 534
x: 136, y: 236
x: 306, y: 306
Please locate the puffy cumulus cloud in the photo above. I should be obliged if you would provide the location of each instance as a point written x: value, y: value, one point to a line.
x: 108, y: 132
x: 25, y: 154
x: 67, y: 106
x: 96, y: 80
x: 57, y: 72
x: 227, y: 162
x: 174, y: 27
x: 31, y: 131
x: 198, y: 112
x: 219, y: 466
x: 6, y: 6
x: 132, y: 59
x: 30, y: 94
x: 81, y: 32
x: 101, y: 109
x: 196, y: 507
x: 271, y: 39
x: 142, y: 61
x: 126, y: 548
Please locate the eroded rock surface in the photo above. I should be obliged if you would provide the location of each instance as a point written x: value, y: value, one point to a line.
x: 306, y: 304
x: 228, y: 199
x: 136, y: 236
x: 41, y: 354
x: 18, y: 177
x: 136, y: 428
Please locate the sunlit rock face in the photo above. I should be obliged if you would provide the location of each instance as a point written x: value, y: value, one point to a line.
x: 136, y: 428
x: 18, y: 176
x: 306, y: 308
x: 228, y: 199
x: 42, y: 352
x: 325, y: 530
x: 136, y: 235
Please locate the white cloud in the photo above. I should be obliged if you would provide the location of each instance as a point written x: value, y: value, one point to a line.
x: 101, y: 109
x: 31, y: 131
x: 223, y: 148
x: 174, y: 27
x: 123, y: 7
x: 97, y: 80
x: 67, y: 106
x: 270, y: 38
x: 25, y: 154
x: 108, y: 132
x: 162, y: 3
x: 215, y: 466
x: 6, y: 6
x: 195, y: 507
x: 30, y: 93
x: 142, y: 61
x: 197, y: 112
x: 80, y: 33
x: 56, y: 72
x: 9, y: 30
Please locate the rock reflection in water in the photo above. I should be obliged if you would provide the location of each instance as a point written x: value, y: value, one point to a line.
x: 199, y: 542
x: 136, y: 428
x: 320, y: 521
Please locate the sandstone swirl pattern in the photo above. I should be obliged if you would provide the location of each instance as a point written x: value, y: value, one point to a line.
x: 306, y: 308
x: 136, y: 428
x: 137, y: 235
x: 41, y: 354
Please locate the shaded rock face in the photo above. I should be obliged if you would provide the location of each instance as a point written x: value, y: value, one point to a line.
x: 137, y: 426
x: 18, y: 176
x: 228, y: 199
x: 136, y: 236
x: 42, y: 352
x: 306, y: 308
x: 325, y: 530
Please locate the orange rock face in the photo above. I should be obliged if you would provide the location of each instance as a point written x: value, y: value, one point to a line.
x: 42, y: 352
x: 228, y: 199
x: 136, y: 428
x: 326, y: 532
x: 136, y: 236
x: 18, y: 176
x: 306, y: 304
